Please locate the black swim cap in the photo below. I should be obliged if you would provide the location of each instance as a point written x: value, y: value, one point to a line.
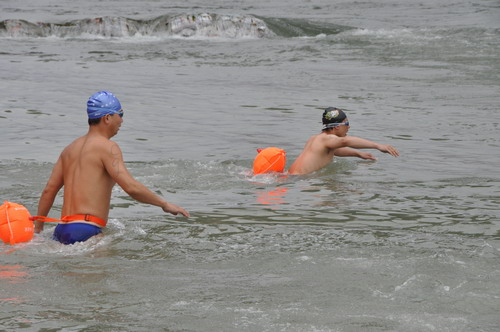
x: 333, y: 115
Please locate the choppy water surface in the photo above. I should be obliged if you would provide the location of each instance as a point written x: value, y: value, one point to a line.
x: 406, y: 244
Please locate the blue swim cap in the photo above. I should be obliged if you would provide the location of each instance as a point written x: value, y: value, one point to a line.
x: 102, y: 103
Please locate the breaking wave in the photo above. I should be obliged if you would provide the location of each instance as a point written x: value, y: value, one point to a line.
x: 183, y: 26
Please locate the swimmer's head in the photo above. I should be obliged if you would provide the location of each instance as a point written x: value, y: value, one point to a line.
x: 102, y: 103
x: 332, y: 116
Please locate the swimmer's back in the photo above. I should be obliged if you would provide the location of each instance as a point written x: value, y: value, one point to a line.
x: 87, y: 184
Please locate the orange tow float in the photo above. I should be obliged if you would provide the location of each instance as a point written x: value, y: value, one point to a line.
x: 269, y: 160
x: 16, y: 225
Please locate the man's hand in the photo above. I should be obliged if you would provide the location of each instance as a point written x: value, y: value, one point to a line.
x: 389, y: 149
x: 366, y: 155
x: 175, y: 210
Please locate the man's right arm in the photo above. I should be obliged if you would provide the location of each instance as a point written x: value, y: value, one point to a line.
x: 350, y: 152
x: 54, y: 184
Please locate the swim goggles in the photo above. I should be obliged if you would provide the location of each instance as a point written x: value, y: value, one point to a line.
x: 333, y: 125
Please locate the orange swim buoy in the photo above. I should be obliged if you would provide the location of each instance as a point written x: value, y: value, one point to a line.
x: 269, y: 160
x: 15, y: 223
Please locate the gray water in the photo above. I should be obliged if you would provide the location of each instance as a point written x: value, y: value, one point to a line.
x: 400, y: 244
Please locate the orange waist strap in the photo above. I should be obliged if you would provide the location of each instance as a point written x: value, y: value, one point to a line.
x: 75, y: 217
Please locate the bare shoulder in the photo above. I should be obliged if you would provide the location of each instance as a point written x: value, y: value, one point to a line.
x: 330, y: 141
x: 330, y: 136
x: 75, y: 145
x: 99, y: 147
x: 111, y: 151
x: 315, y: 139
x: 113, y: 147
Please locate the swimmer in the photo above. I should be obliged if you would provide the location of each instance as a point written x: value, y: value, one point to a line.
x: 88, y: 169
x: 320, y: 149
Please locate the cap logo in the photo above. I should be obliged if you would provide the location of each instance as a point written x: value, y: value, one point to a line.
x: 332, y: 114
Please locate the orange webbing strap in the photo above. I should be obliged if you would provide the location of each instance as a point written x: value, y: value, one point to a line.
x: 75, y: 217
x: 44, y: 219
x: 11, y: 238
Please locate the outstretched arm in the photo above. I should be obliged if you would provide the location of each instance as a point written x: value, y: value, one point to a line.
x: 54, y: 184
x: 115, y: 166
x: 335, y: 142
x: 349, y: 152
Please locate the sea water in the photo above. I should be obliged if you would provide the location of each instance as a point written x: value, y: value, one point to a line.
x: 399, y: 244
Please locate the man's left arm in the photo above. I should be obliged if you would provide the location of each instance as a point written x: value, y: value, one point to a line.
x: 115, y: 166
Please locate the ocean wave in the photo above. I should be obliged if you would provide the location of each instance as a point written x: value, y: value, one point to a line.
x: 203, y: 25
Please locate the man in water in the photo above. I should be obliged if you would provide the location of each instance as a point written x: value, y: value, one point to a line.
x: 333, y: 141
x: 88, y: 169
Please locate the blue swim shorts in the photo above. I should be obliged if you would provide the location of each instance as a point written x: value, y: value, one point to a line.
x: 69, y: 233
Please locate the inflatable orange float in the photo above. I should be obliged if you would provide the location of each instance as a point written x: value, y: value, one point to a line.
x: 15, y: 223
x: 269, y: 160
